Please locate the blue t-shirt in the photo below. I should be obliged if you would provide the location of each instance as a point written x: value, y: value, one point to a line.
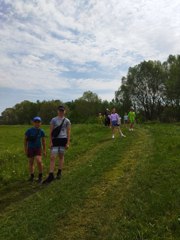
x: 31, y: 132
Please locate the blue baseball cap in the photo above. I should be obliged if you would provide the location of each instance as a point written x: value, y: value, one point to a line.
x: 37, y: 119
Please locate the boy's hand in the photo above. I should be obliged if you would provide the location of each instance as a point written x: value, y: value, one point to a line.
x: 67, y: 146
x: 44, y: 153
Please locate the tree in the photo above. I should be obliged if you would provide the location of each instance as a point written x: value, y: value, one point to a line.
x: 86, y: 108
x: 172, y: 67
x: 122, y: 96
x: 48, y: 109
x: 172, y: 93
x: 144, y: 88
x: 90, y: 97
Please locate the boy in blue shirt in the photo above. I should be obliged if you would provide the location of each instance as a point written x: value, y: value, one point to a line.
x: 33, y: 142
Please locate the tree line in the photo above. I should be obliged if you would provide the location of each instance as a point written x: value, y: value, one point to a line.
x: 152, y: 88
x: 83, y: 110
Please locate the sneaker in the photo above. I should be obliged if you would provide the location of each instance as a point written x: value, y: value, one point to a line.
x: 112, y: 136
x: 31, y: 179
x: 123, y: 135
x: 49, y: 179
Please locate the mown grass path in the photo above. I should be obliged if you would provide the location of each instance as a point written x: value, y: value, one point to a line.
x: 94, y: 218
x: 125, y: 188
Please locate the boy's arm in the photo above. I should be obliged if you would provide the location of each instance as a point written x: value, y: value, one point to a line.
x: 44, y: 145
x: 68, y: 136
x: 25, y: 144
x: 51, y: 129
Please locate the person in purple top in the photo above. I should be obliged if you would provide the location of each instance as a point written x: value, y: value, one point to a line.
x: 115, y: 121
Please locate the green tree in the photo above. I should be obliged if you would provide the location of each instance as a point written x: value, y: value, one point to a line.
x: 89, y: 96
x: 172, y: 93
x: 86, y: 108
x: 144, y: 88
x: 48, y: 109
x: 122, y: 97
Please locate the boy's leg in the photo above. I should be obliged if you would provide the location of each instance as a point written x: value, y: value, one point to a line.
x: 113, y: 130
x: 131, y: 126
x: 50, y: 177
x: 40, y: 167
x: 31, y: 168
x: 52, y: 163
x: 60, y: 167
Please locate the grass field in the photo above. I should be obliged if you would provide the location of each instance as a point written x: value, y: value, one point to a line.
x: 121, y: 189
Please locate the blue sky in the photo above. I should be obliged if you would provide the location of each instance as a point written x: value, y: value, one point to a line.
x: 58, y: 49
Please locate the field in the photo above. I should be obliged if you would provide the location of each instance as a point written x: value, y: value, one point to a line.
x: 121, y: 189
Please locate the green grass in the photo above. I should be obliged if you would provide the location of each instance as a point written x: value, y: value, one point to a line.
x: 125, y: 188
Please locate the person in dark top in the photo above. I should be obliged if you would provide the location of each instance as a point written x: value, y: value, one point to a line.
x: 34, y: 140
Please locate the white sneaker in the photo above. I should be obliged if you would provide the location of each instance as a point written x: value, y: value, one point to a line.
x: 112, y: 136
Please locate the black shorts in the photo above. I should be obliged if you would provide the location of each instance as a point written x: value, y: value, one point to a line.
x: 59, y: 142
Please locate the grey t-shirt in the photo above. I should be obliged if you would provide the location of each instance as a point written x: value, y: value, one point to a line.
x: 56, y: 121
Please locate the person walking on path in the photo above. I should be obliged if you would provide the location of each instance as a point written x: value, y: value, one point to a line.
x: 126, y: 120
x: 131, y: 116
x: 60, y: 128
x: 107, y: 117
x: 115, y: 121
x: 34, y: 140
x: 100, y: 119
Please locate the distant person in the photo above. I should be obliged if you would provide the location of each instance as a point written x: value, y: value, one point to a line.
x: 33, y: 142
x: 107, y: 117
x: 100, y: 118
x: 131, y: 116
x: 126, y: 120
x: 115, y: 121
x: 60, y: 128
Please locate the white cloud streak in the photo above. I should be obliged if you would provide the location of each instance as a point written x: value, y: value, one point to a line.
x: 41, y: 41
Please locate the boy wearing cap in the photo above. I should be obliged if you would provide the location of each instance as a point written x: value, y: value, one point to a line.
x: 33, y: 142
x: 60, y: 128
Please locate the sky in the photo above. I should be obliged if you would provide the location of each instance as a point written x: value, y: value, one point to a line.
x: 58, y: 49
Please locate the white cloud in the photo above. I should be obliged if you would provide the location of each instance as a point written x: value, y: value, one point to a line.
x: 42, y: 40
x: 97, y: 85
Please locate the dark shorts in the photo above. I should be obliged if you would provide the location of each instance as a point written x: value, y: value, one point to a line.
x: 32, y: 152
x: 115, y: 123
x: 59, y: 142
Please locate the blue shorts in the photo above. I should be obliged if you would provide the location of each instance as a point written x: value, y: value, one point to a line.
x: 115, y: 123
